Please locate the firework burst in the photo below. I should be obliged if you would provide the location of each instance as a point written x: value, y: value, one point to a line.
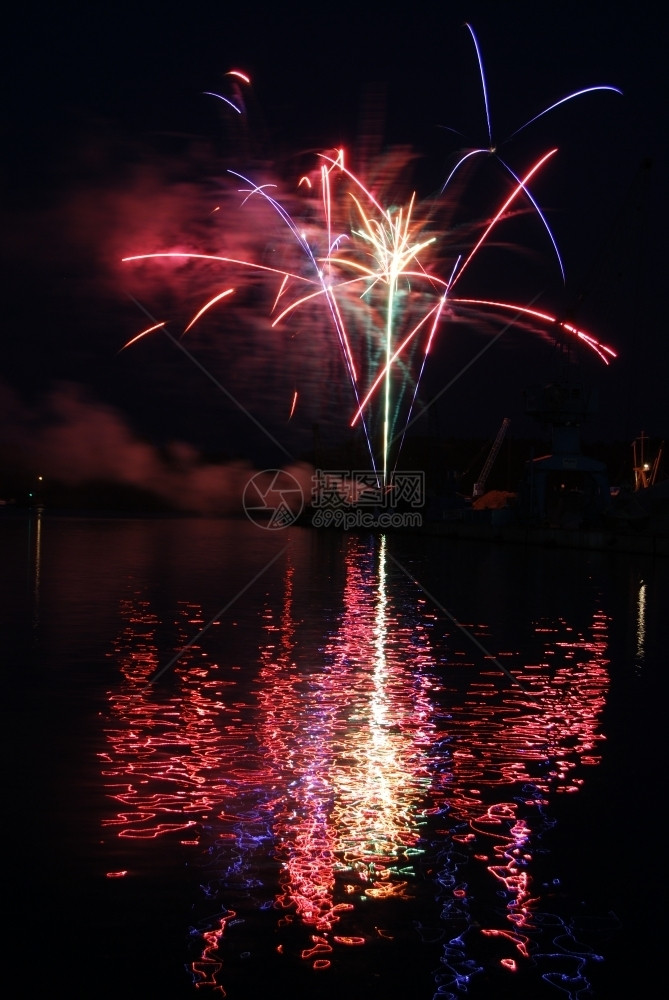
x: 380, y: 274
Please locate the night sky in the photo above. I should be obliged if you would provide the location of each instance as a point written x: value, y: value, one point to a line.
x: 113, y: 147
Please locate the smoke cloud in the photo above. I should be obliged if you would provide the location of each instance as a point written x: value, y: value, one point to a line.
x: 74, y: 441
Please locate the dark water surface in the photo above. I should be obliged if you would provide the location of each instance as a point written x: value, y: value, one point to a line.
x: 305, y: 763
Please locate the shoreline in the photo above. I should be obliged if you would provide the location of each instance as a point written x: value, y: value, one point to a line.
x: 643, y: 542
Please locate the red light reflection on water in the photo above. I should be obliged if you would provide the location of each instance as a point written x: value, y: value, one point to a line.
x: 512, y: 750
x: 312, y: 782
x: 163, y: 752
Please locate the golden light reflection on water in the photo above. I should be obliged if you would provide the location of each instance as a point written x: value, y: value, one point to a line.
x: 640, y: 652
x: 353, y: 769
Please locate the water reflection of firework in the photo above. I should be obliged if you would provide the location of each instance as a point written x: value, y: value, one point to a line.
x: 355, y: 769
x: 365, y: 259
x: 357, y: 791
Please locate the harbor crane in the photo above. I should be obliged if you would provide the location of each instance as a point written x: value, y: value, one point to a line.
x: 479, y: 485
x: 645, y: 473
